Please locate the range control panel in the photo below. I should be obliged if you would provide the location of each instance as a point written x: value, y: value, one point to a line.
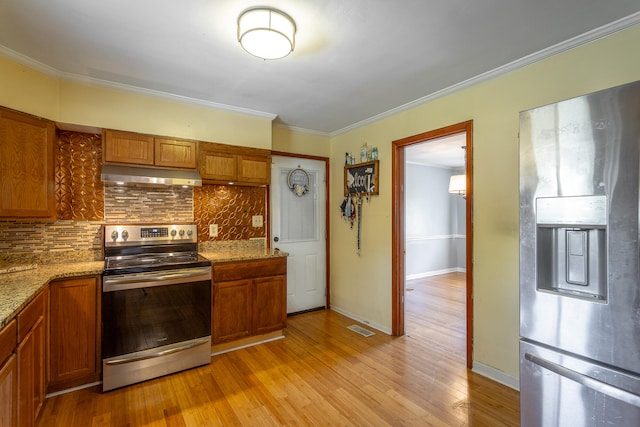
x: 150, y: 234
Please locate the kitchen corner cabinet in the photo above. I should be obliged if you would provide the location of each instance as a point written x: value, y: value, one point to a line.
x: 27, y: 187
x: 31, y: 359
x: 74, y: 333
x: 240, y: 165
x: 147, y: 150
x: 249, y: 298
x: 8, y: 376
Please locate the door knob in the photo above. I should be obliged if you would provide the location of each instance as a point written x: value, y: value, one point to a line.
x: 276, y: 239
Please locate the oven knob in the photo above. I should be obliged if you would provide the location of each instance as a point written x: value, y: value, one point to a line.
x: 181, y: 233
x: 125, y: 234
x: 189, y: 232
x: 173, y: 233
x: 114, y: 235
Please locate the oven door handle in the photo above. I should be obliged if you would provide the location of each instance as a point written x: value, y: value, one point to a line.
x: 129, y: 280
x: 165, y: 352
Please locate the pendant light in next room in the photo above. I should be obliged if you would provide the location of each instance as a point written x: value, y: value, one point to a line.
x: 266, y: 33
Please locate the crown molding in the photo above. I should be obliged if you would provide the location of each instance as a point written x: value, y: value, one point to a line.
x: 301, y: 130
x: 53, y: 72
x: 598, y: 33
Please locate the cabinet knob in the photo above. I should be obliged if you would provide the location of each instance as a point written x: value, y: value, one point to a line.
x: 276, y: 239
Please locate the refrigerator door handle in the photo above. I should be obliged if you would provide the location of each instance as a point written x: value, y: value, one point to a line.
x: 599, y: 386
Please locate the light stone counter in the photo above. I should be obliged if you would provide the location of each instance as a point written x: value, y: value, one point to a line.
x: 18, y: 288
x: 20, y: 283
x: 241, y: 254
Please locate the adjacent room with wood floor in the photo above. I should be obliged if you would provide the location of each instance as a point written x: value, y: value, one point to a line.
x: 321, y: 374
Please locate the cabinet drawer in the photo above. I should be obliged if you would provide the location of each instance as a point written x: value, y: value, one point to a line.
x: 7, y: 340
x: 238, y: 270
x: 30, y: 315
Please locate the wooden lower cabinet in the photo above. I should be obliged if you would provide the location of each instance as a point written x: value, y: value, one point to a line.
x: 249, y: 298
x: 8, y: 376
x: 270, y: 304
x: 231, y: 315
x: 74, y: 333
x: 9, y: 392
x: 31, y: 358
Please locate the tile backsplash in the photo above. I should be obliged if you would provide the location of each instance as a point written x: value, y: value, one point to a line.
x: 129, y: 204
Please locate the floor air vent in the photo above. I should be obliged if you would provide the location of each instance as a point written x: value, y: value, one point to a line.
x: 361, y: 331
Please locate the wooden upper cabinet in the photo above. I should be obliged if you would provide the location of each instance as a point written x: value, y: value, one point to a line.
x: 148, y: 150
x: 254, y: 169
x: 27, y: 187
x: 240, y: 165
x: 128, y: 147
x: 175, y: 153
x: 217, y: 166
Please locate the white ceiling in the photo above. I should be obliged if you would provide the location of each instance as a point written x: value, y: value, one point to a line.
x: 354, y: 60
x: 444, y: 152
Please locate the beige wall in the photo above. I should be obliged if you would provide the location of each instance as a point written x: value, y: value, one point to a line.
x: 27, y: 90
x: 34, y: 92
x: 361, y: 285
x: 291, y: 141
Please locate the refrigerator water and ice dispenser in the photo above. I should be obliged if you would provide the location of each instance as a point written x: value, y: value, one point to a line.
x: 571, y: 246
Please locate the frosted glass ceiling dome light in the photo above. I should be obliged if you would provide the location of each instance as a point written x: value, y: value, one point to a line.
x: 266, y: 33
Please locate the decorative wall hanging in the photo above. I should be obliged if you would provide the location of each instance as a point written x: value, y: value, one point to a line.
x: 360, y: 181
x: 362, y: 178
x: 298, y: 181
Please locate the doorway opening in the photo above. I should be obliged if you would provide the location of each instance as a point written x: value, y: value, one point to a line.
x: 400, y: 151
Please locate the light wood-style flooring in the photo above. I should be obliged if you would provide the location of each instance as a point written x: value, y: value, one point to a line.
x: 321, y: 374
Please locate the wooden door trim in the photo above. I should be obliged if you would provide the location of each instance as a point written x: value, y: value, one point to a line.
x: 398, y: 226
x: 327, y: 221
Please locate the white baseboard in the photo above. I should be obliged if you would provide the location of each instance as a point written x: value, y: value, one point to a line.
x: 435, y: 273
x: 357, y: 318
x: 496, y: 375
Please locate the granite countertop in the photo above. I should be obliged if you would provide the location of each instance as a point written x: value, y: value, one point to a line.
x: 20, y: 283
x: 19, y: 287
x: 242, y: 254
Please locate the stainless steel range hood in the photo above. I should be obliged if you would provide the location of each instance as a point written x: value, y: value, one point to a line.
x: 113, y: 174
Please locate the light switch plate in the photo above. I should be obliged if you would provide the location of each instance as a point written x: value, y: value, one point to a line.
x: 257, y: 220
x: 213, y: 230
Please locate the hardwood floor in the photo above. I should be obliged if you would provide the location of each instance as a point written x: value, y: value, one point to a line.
x: 321, y: 374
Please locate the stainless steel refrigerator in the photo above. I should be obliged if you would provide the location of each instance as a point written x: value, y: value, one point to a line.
x: 579, y: 274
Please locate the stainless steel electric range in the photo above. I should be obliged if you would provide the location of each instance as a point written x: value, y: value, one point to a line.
x: 156, y: 303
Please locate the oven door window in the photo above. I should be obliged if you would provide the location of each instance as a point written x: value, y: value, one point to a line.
x: 143, y: 318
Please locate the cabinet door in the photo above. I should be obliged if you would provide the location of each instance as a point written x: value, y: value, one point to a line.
x: 269, y: 304
x: 31, y: 374
x: 217, y: 166
x: 128, y: 147
x: 9, y: 393
x: 254, y: 169
x: 73, y: 333
x: 231, y: 310
x: 26, y: 166
x: 175, y: 153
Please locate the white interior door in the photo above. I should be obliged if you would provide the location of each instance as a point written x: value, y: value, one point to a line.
x: 298, y: 226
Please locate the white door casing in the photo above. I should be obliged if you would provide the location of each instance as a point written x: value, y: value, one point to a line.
x: 298, y: 227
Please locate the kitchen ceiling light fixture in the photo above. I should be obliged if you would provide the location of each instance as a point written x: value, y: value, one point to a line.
x: 266, y: 33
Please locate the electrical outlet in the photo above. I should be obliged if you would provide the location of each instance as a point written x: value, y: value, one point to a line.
x: 257, y: 221
x: 213, y: 230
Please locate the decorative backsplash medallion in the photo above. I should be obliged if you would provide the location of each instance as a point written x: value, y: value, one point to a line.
x: 79, y: 191
x: 231, y: 207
